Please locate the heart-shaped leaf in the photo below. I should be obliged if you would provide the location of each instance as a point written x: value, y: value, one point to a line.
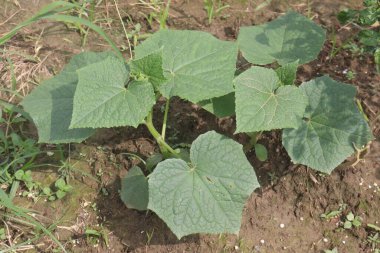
x: 287, y: 39
x: 197, y: 65
x: 331, y: 128
x: 102, y: 100
x: 263, y: 104
x: 206, y: 195
x: 51, y: 104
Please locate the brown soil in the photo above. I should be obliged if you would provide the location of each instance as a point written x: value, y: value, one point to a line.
x: 292, y: 195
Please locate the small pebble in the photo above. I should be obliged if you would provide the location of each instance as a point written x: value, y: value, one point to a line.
x: 369, y: 186
x: 301, y: 219
x: 262, y: 241
x: 236, y: 247
x: 344, y: 242
x: 325, y: 239
x: 282, y: 225
x: 374, y: 184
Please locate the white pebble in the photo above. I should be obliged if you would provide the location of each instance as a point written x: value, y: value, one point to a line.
x: 344, y: 242
x: 369, y: 186
x: 325, y: 239
x: 262, y: 241
x: 301, y: 218
x: 361, y: 183
x: 374, y: 184
x: 282, y: 225
x: 236, y: 247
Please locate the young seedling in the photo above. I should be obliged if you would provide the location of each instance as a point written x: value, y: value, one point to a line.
x: 352, y: 221
x: 367, y: 20
x: 204, y: 189
x: 214, y: 8
x: 334, y: 214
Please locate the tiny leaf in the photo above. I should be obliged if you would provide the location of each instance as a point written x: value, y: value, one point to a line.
x: 60, y: 194
x: 350, y: 216
x: 331, y: 128
x: 263, y: 104
x: 347, y: 224
x: 134, y: 189
x: 287, y: 39
x: 197, y: 65
x: 19, y: 174
x: 111, y: 104
x: 287, y: 73
x: 151, y: 67
x: 206, y: 195
x: 261, y: 152
x: 60, y: 183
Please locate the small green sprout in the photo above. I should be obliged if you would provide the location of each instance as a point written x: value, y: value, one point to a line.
x: 352, y: 221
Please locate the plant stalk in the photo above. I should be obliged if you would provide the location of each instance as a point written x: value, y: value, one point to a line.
x: 165, y: 148
x: 254, y: 136
x: 163, y: 131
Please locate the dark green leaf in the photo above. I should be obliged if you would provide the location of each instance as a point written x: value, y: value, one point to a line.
x: 134, y: 189
x: 331, y: 128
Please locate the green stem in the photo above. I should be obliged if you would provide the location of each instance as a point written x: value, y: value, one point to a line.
x: 164, y: 147
x: 254, y: 136
x: 163, y: 132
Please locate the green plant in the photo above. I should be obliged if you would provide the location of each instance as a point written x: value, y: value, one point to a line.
x: 373, y: 237
x: 13, y: 212
x: 3, y: 236
x: 61, y: 189
x: 95, y: 235
x: 160, y: 11
x: 205, y: 191
x: 17, y: 152
x: 334, y: 250
x: 352, y: 221
x: 350, y: 75
x: 214, y: 8
x: 334, y: 214
x: 367, y: 20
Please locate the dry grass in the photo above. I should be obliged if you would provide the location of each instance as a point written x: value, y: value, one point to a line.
x: 20, y: 71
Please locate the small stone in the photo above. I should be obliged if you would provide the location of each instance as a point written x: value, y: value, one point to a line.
x: 262, y: 241
x: 236, y: 247
x: 282, y: 225
x: 344, y: 242
x: 374, y: 184
x: 301, y: 218
x: 369, y: 186
x: 325, y: 239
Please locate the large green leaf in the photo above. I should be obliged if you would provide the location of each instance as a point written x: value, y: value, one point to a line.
x: 206, y: 195
x: 331, y: 128
x: 134, y: 189
x: 263, y: 104
x: 197, y: 65
x: 150, y: 68
x: 223, y: 106
x: 51, y: 104
x: 102, y: 100
x: 287, y: 39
